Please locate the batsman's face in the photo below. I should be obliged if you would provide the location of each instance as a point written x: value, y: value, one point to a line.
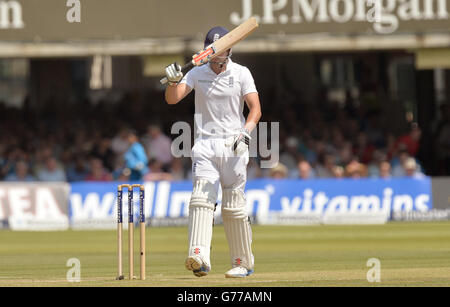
x: 220, y: 61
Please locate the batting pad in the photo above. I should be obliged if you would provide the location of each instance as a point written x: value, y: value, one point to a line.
x: 201, y: 215
x: 237, y: 228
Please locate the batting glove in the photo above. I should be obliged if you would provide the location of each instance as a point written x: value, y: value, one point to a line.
x: 173, y: 73
x: 241, y: 142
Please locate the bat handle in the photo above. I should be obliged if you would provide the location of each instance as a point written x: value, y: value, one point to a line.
x: 184, y: 69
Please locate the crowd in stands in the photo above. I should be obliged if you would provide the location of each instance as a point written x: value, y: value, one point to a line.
x: 65, y: 144
x: 338, y: 157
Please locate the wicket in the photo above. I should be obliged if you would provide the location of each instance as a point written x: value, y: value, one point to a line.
x: 131, y: 230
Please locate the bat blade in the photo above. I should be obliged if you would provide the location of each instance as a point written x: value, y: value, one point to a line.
x: 221, y: 45
x: 235, y: 36
x: 225, y: 42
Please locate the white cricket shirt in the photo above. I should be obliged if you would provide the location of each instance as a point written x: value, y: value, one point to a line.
x: 219, y: 99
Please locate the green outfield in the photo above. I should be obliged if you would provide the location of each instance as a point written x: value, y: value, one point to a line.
x: 411, y: 254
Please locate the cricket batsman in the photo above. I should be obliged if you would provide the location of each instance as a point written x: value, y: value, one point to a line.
x: 219, y: 155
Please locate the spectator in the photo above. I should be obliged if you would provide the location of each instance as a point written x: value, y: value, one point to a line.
x: 289, y: 156
x: 304, y: 170
x: 51, y: 171
x: 320, y: 150
x: 119, y: 144
x: 355, y: 170
x: 410, y: 167
x: 338, y: 171
x: 43, y: 153
x: 156, y: 173
x: 266, y: 163
x: 123, y: 175
x: 20, y: 173
x: 98, y: 171
x: 177, y: 169
x: 373, y: 168
x: 373, y: 129
x: 308, y: 151
x: 103, y: 151
x: 384, y: 170
x: 337, y: 140
x: 12, y: 157
x: 345, y: 154
x: 78, y: 170
x: 363, y: 149
x: 278, y: 172
x: 135, y: 157
x: 253, y: 169
x: 411, y: 140
x: 398, y: 163
x: 325, y: 168
x: 391, y: 146
x: 158, y: 145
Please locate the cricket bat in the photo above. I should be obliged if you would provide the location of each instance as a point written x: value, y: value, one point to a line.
x: 221, y: 45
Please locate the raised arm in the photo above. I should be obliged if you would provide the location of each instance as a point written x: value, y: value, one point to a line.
x: 175, y: 93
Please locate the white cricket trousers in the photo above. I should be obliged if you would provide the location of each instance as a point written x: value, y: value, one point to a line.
x: 214, y: 161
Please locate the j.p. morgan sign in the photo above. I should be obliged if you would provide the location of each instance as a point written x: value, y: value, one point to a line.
x: 386, y: 15
x: 24, y: 20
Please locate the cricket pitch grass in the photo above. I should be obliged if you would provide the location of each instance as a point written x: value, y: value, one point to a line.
x: 410, y: 254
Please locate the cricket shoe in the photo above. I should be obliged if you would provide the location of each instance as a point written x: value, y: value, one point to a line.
x: 196, y: 265
x: 238, y: 272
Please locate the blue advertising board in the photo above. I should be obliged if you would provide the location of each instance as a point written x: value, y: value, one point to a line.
x: 265, y: 197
